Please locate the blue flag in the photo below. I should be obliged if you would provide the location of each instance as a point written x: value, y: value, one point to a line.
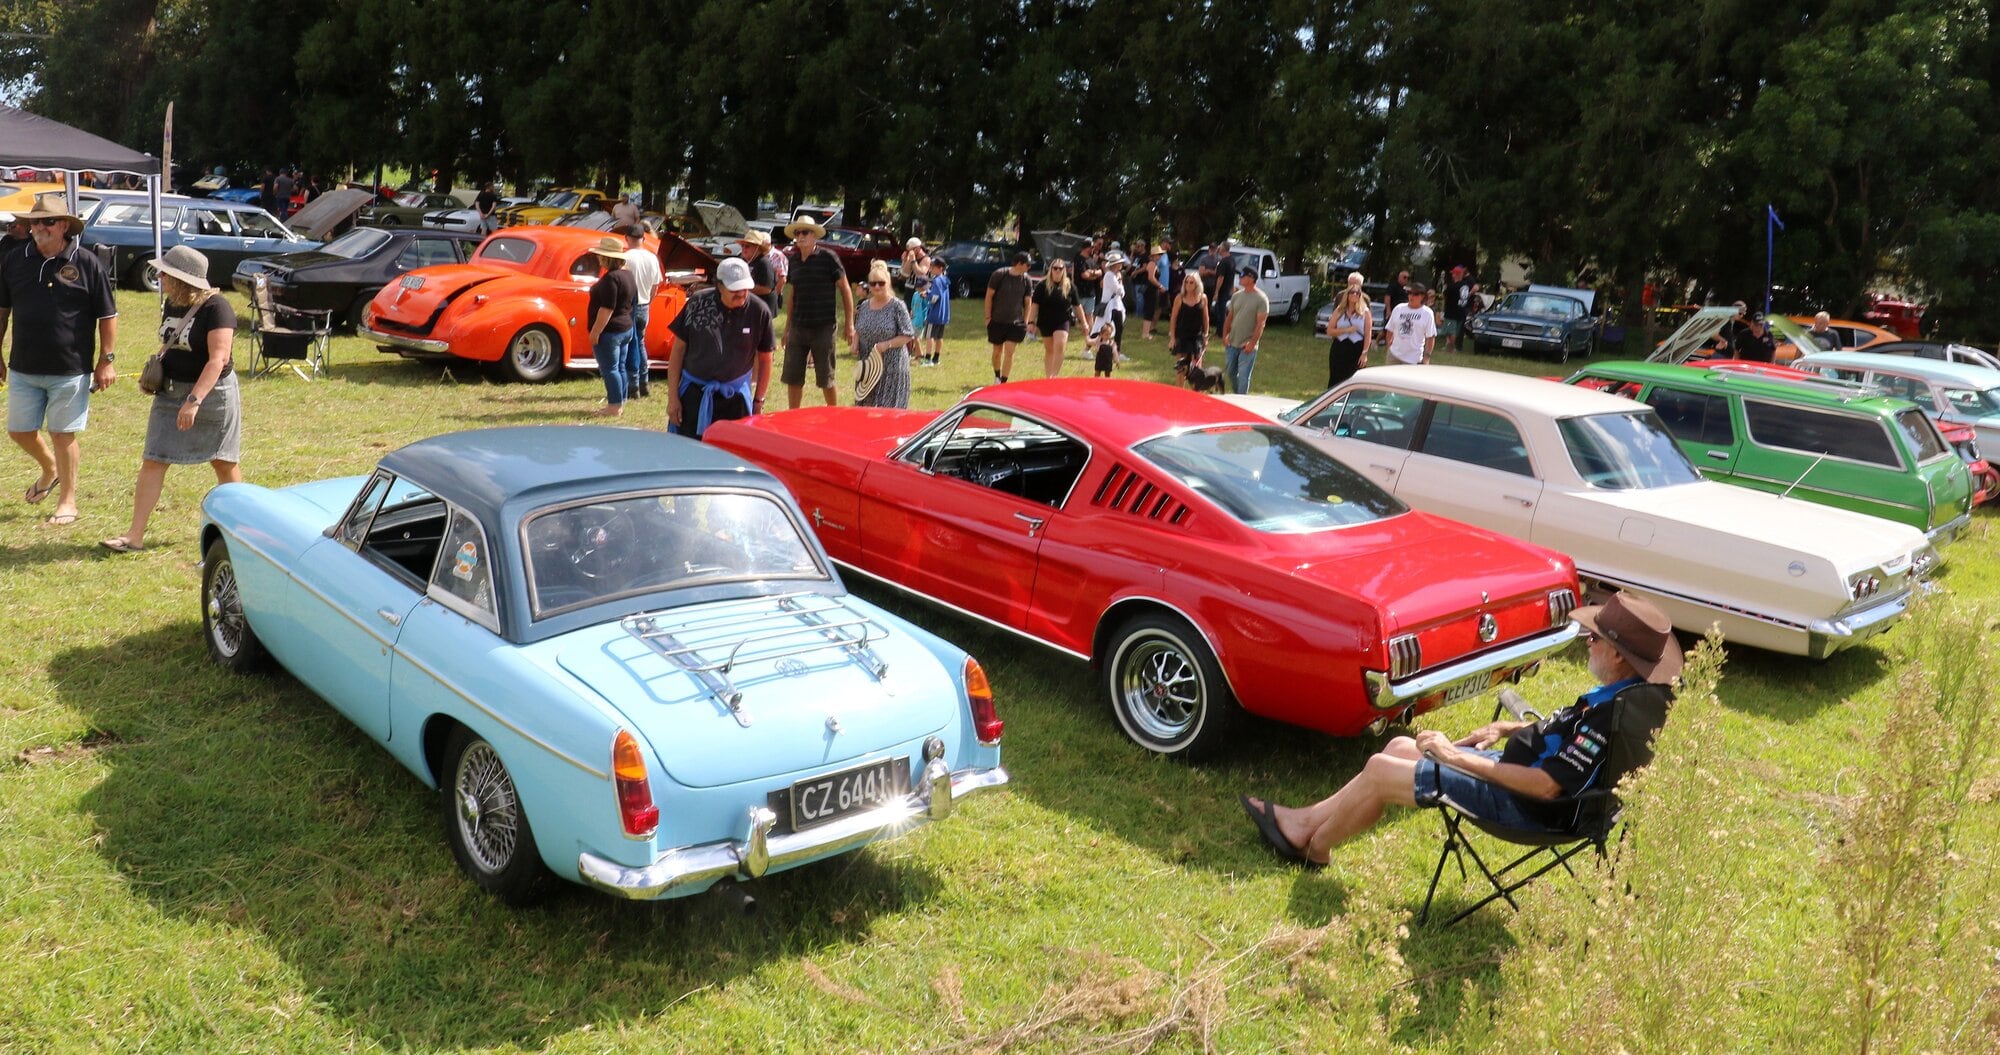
x: 1773, y: 211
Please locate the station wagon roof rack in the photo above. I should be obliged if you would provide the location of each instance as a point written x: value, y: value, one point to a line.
x: 1847, y: 390
x: 759, y: 629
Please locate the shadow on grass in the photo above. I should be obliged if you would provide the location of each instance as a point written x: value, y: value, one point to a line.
x: 246, y: 804
x: 1455, y: 972
x: 1066, y: 753
x: 1793, y: 689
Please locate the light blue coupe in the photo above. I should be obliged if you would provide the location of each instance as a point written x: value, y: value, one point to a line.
x: 618, y: 654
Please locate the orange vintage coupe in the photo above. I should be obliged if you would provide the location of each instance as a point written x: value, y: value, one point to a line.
x: 519, y: 303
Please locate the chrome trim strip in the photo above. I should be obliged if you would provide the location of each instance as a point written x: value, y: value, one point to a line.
x: 1626, y: 584
x: 1388, y: 695
x: 414, y: 344
x: 1950, y: 529
x: 1823, y: 490
x: 1829, y: 636
x: 947, y: 605
x: 759, y: 851
x: 441, y: 679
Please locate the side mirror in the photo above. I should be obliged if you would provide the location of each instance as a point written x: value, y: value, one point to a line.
x: 1270, y: 272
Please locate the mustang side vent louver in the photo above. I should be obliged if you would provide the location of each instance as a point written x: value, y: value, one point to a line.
x: 1406, y: 656
x: 1126, y: 490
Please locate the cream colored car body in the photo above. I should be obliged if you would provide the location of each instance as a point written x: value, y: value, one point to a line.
x: 1774, y: 572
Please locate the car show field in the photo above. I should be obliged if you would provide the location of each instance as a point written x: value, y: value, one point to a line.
x: 204, y: 861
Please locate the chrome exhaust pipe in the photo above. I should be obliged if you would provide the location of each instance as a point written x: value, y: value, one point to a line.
x: 734, y: 896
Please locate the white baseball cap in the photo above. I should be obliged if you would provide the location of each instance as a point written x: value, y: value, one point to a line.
x: 913, y: 243
x: 734, y: 275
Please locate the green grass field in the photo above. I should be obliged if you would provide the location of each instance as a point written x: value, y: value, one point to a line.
x: 199, y: 862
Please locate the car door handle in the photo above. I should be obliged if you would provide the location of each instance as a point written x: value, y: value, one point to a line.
x: 1390, y: 469
x: 1518, y: 498
x: 1721, y: 456
x: 1034, y: 523
x: 389, y: 617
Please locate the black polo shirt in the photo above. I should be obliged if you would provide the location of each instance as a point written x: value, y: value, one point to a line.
x: 814, y: 283
x: 55, y: 304
x: 723, y: 343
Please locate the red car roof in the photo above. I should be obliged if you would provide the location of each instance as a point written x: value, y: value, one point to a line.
x: 1121, y: 412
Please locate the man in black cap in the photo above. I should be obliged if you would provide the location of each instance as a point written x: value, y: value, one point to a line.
x: 1752, y: 341
x: 58, y: 298
x: 1634, y: 655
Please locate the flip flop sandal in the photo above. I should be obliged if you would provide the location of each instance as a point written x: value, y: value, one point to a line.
x: 1266, y: 819
x: 121, y: 544
x: 36, y: 493
x: 60, y: 520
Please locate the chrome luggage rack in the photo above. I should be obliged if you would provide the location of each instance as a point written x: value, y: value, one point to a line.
x: 758, y: 629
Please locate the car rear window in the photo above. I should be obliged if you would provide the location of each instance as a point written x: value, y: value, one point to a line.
x: 1269, y: 479
x: 583, y: 553
x: 1922, y: 433
x: 137, y: 214
x: 1850, y: 436
x: 508, y: 250
x: 1476, y: 437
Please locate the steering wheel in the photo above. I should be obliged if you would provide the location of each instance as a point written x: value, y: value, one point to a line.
x: 605, y: 542
x: 988, y: 470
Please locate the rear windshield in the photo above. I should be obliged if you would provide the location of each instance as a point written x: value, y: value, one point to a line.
x: 1850, y: 436
x: 357, y: 243
x: 597, y: 551
x: 1625, y: 452
x: 1269, y: 479
x: 507, y: 250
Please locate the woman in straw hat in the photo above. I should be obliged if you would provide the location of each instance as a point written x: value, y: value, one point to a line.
x: 882, y: 336
x: 197, y: 413
x: 612, y: 299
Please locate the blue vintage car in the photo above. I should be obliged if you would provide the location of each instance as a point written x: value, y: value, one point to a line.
x: 618, y: 654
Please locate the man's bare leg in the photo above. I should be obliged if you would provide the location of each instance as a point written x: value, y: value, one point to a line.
x: 1388, y: 778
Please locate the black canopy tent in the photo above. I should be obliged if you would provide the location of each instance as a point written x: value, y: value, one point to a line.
x: 33, y: 141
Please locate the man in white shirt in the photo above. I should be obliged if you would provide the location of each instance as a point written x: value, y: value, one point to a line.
x: 645, y: 268
x: 1412, y: 329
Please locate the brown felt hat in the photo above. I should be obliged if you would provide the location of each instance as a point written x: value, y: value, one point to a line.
x: 53, y: 207
x: 1639, y: 631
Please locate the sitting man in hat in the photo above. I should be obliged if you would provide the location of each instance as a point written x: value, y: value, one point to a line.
x: 58, y: 298
x: 1634, y: 656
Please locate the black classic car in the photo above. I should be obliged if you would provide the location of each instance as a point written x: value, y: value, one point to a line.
x: 345, y: 274
x: 1551, y: 320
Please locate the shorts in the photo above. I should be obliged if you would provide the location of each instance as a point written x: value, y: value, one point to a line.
x: 1051, y: 331
x: 1448, y: 328
x: 56, y: 402
x: 1006, y: 332
x: 934, y: 330
x: 1488, y: 802
x: 815, y: 342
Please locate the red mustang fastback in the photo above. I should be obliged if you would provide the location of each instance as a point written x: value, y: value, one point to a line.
x: 1200, y: 558
x: 520, y: 303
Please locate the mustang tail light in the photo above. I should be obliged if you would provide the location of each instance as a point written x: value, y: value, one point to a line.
x: 1406, y: 656
x: 986, y: 723
x: 636, y: 809
x: 1561, y: 603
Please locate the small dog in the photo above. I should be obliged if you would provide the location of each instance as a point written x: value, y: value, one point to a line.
x: 1198, y: 377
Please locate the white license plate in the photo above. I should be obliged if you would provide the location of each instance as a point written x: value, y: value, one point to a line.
x: 1505, y: 342
x: 824, y: 799
x: 1467, y: 689
x: 413, y: 282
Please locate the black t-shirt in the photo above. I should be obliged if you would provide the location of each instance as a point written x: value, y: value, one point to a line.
x: 1225, y: 280
x: 1089, y: 266
x: 1053, y: 308
x: 1455, y: 296
x: 185, y: 358
x: 815, y: 283
x: 487, y: 201
x: 722, y: 342
x: 1010, y: 295
x: 1749, y: 345
x: 1575, y: 747
x: 618, y: 291
x: 763, y: 274
x: 55, y: 304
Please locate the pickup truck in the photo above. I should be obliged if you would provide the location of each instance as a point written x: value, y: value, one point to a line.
x: 1287, y: 292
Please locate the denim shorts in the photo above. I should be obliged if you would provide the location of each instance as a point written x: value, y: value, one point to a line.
x: 1488, y: 802
x: 57, y: 402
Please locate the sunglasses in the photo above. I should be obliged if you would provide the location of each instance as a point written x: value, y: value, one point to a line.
x: 47, y: 221
x: 876, y: 285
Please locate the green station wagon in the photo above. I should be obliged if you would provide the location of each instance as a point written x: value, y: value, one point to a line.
x: 1835, y: 445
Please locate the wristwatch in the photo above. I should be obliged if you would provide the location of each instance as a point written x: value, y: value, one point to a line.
x: 109, y: 357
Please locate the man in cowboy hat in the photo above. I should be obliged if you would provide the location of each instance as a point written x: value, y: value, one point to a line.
x: 720, y: 366
x: 755, y: 247
x: 818, y: 282
x: 1634, y: 656
x: 58, y: 299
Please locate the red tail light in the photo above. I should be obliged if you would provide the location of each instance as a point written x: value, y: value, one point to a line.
x: 986, y: 723
x: 635, y: 796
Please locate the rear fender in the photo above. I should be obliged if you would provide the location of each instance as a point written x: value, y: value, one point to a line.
x: 482, y: 331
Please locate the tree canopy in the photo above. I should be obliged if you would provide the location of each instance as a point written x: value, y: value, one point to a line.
x: 1610, y: 142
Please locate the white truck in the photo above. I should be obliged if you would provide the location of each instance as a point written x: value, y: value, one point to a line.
x: 1287, y: 292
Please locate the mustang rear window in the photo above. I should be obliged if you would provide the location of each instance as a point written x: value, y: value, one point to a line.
x: 1625, y: 452
x: 584, y: 553
x: 1269, y: 479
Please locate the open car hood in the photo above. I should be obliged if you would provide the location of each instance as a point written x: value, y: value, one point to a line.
x: 321, y: 216
x: 721, y: 219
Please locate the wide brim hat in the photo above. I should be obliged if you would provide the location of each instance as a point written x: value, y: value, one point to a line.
x: 1114, y: 259
x: 754, y: 237
x: 53, y: 207
x: 611, y: 247
x: 805, y: 225
x: 185, y: 263
x: 869, y: 375
x: 1639, y: 631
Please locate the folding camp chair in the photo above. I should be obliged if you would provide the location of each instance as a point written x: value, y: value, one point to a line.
x: 287, y: 336
x: 1593, y: 813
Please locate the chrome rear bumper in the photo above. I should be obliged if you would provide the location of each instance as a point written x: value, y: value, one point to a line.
x: 408, y: 344
x: 1827, y: 636
x: 759, y: 851
x: 1502, y: 663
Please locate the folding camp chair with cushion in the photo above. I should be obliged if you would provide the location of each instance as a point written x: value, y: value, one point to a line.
x: 287, y: 336
x: 1592, y: 813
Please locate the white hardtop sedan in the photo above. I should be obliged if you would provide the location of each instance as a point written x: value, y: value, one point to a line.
x: 1598, y: 477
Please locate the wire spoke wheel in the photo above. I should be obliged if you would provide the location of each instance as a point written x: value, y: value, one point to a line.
x: 489, y: 811
x: 225, y: 611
